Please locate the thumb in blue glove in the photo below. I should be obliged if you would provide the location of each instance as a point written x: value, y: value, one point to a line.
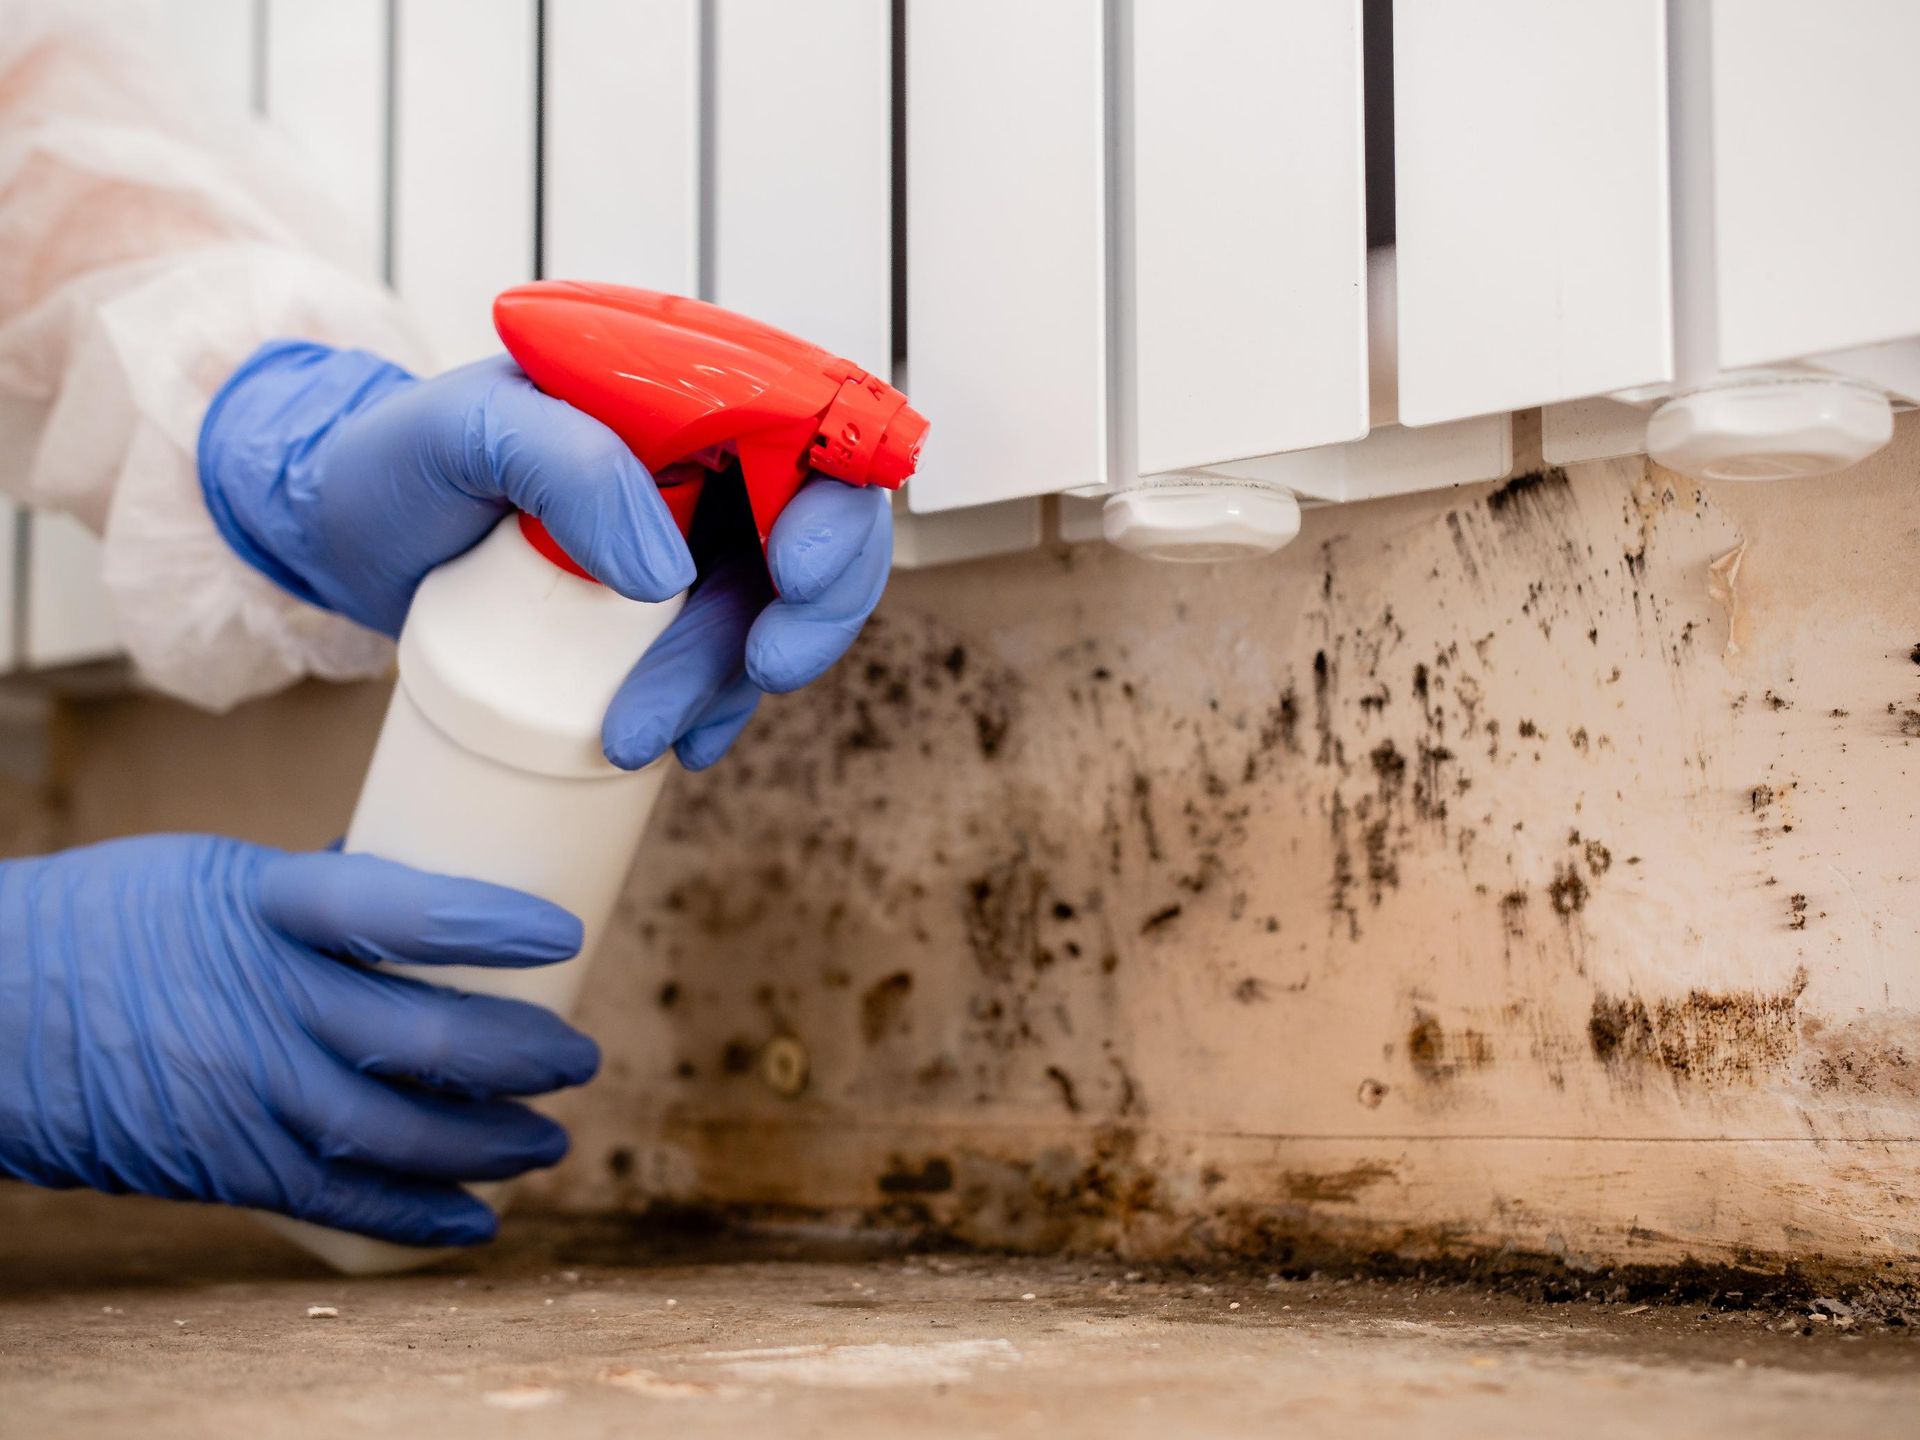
x: 190, y: 1017
x: 346, y: 480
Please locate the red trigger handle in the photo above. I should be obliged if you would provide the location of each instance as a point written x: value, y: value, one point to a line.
x: 677, y: 378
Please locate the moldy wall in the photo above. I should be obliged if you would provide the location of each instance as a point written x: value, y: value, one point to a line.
x: 1527, y: 867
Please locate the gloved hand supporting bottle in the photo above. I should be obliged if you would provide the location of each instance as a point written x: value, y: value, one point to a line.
x: 193, y: 1017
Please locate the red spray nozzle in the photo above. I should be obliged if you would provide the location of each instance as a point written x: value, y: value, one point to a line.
x: 678, y: 378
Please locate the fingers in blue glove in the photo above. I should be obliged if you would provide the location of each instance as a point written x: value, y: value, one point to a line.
x: 216, y: 1049
x: 830, y: 553
x: 821, y: 533
x: 352, y: 1117
x: 581, y: 481
x: 716, y: 728
x: 344, y: 1196
x: 479, y: 1046
x: 695, y: 661
x: 376, y: 911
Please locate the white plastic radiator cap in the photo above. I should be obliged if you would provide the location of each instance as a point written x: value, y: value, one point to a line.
x: 1201, y: 519
x: 1774, y: 429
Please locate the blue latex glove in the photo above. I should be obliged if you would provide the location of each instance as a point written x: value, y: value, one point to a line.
x: 346, y: 480
x: 181, y: 1016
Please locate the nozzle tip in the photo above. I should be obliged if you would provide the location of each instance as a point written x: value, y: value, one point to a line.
x: 899, y: 450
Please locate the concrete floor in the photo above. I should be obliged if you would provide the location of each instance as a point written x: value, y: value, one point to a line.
x: 127, y: 1317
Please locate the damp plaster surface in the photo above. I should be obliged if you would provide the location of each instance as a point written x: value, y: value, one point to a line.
x: 1528, y: 867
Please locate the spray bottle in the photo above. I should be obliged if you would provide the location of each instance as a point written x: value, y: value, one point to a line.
x: 489, y: 763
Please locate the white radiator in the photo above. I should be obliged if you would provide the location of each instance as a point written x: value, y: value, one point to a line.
x: 1095, y: 239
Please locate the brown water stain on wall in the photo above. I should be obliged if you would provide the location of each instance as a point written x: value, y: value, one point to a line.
x: 1438, y: 1054
x: 932, y: 1176
x: 1341, y: 1187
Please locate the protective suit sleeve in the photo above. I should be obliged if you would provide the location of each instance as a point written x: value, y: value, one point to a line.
x: 144, y: 254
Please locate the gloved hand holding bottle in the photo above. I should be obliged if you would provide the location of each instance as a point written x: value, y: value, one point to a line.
x: 346, y: 480
x: 194, y: 1018
x: 188, y: 1017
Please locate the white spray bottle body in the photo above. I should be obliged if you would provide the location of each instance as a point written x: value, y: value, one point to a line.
x: 489, y: 766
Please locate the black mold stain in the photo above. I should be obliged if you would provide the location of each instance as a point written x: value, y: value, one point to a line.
x: 1704, y: 1037
x: 669, y: 994
x: 1383, y: 870
x: 737, y: 1057
x: 1796, y: 912
x: 1517, y: 501
x: 1428, y: 801
x: 1876, y: 1055
x: 1002, y: 909
x: 1567, y: 891
x: 1143, y: 808
x: 1341, y: 899
x: 1129, y: 1091
x: 1599, y: 858
x: 620, y: 1162
x: 990, y: 726
x: 1390, y: 767
x: 1281, y: 727
x: 1323, y: 708
x: 881, y: 1005
x: 1165, y: 915
x: 1376, y: 814
x: 1468, y: 565
x: 937, y: 1072
x: 865, y: 733
x: 1064, y: 1083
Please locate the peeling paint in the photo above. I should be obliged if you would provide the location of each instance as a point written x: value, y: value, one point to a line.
x: 1723, y: 585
